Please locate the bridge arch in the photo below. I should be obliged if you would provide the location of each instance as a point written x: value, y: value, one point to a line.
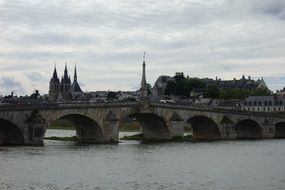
x: 10, y: 133
x: 204, y: 128
x: 280, y: 130
x: 248, y: 129
x: 153, y: 127
x: 88, y: 131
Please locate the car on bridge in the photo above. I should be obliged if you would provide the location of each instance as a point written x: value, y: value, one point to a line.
x: 167, y: 101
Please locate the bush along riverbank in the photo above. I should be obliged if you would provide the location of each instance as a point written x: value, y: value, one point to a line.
x: 73, y: 138
x: 186, y: 137
x: 62, y: 124
x: 130, y: 126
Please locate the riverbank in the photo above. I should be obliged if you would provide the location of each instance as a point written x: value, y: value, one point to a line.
x: 186, y: 137
x: 62, y: 124
x: 73, y: 138
x: 126, y: 126
x: 138, y: 136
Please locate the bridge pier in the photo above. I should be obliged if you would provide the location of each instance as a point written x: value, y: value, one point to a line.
x: 268, y: 131
x: 154, y: 128
x: 228, y: 131
x: 176, y: 129
x: 34, y: 135
x: 111, y: 131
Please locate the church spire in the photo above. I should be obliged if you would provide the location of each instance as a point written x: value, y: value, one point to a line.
x: 66, y: 78
x: 54, y: 76
x: 65, y: 71
x: 75, y: 74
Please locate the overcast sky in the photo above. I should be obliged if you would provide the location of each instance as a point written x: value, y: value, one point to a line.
x: 107, y: 38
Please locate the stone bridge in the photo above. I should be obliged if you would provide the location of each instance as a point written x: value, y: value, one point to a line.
x: 99, y: 122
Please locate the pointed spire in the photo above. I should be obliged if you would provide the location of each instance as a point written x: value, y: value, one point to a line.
x: 144, y: 87
x: 65, y: 70
x: 65, y: 75
x: 54, y: 78
x: 75, y: 73
x: 54, y: 72
x: 143, y: 82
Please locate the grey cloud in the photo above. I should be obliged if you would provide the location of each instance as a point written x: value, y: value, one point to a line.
x: 274, y: 8
x: 276, y: 82
x: 9, y: 84
x: 107, y: 38
x: 35, y: 77
x: 54, y: 39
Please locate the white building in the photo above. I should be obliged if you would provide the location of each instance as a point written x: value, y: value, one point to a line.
x: 264, y: 104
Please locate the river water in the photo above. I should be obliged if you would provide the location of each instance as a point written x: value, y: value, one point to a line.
x: 232, y: 165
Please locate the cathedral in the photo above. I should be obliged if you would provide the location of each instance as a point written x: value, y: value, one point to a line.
x: 63, y: 90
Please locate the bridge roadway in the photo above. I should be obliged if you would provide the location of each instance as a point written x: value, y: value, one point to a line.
x: 99, y: 122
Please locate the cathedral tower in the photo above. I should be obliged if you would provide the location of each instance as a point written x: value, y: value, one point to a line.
x: 54, y: 86
x: 63, y: 90
x: 65, y: 85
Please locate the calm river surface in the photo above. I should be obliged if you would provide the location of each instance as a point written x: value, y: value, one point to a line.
x: 219, y: 165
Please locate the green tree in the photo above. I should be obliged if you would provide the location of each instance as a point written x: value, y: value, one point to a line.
x: 35, y: 94
x: 234, y: 94
x: 179, y: 76
x: 148, y: 88
x: 261, y: 92
x: 111, y: 95
x: 183, y: 86
x: 212, y: 92
x: 169, y: 88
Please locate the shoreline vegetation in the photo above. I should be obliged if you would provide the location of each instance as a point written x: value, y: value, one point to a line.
x: 54, y: 138
x: 125, y: 126
x: 136, y: 137
x: 186, y: 137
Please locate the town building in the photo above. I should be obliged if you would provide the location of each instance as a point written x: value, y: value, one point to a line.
x: 63, y: 90
x: 280, y: 92
x: 243, y: 83
x: 264, y: 104
x: 121, y: 96
x: 160, y: 85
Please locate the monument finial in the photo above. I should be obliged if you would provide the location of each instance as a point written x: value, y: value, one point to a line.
x: 144, y: 87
